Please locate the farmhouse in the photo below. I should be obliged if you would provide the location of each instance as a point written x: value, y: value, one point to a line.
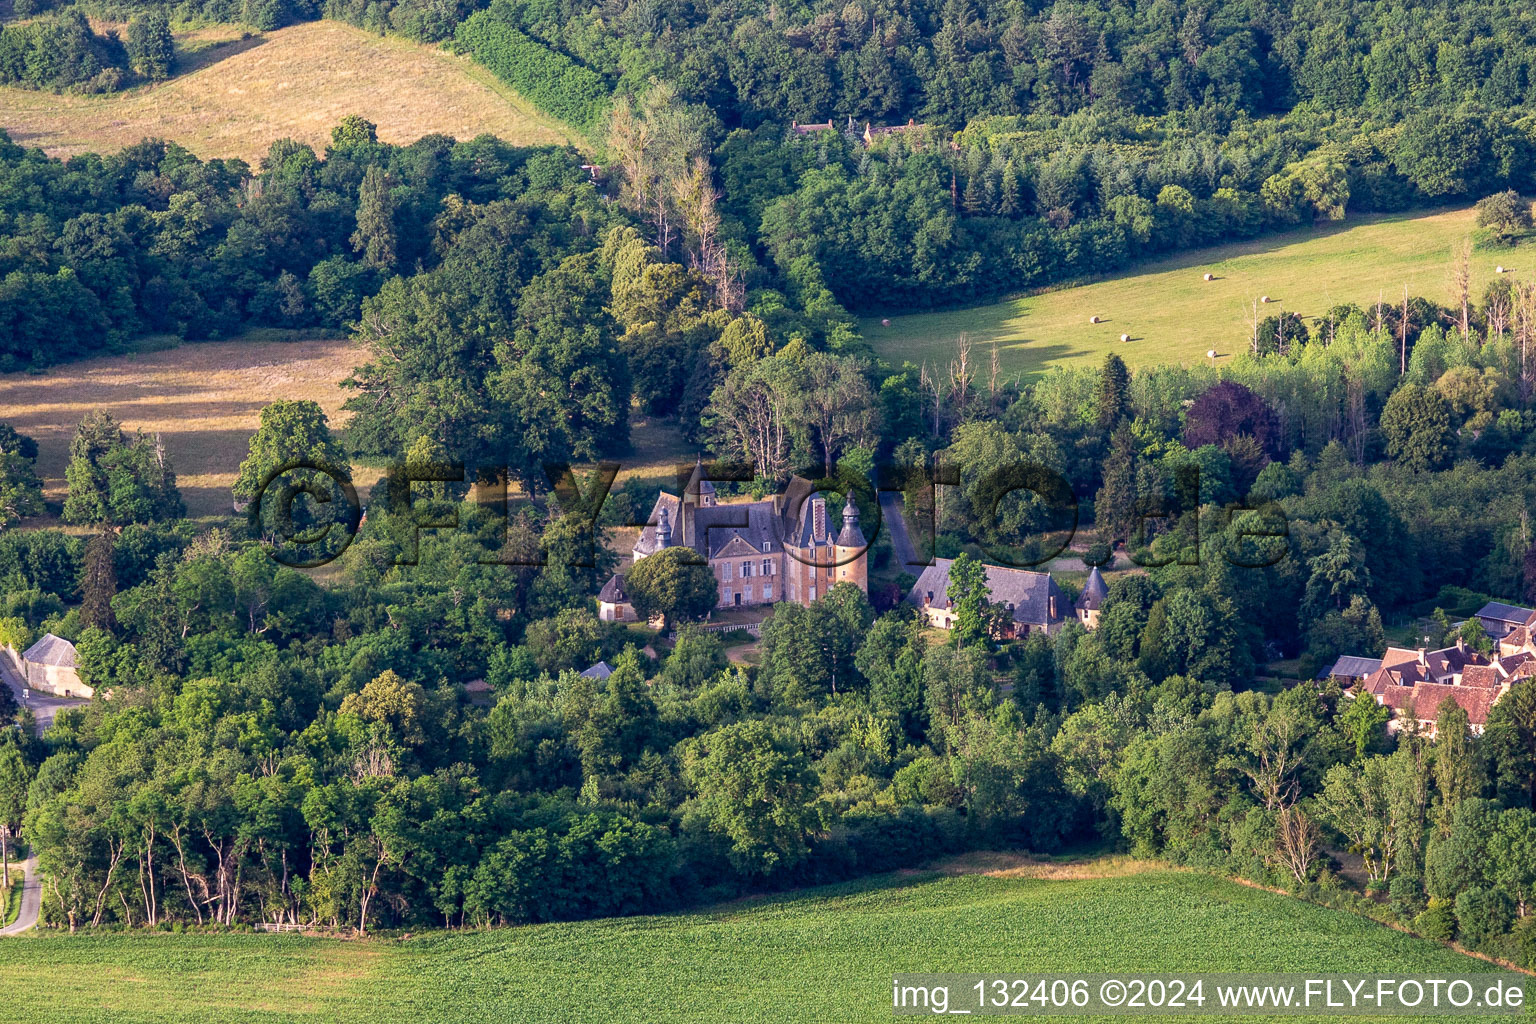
x: 1499, y: 620
x: 1032, y: 599
x: 1414, y: 683
x: 761, y: 552
x: 49, y: 665
x: 873, y: 134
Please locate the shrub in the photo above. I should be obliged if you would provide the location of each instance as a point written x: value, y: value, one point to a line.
x: 1483, y: 914
x: 1438, y: 921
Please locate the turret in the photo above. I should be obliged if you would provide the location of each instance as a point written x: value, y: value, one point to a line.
x: 664, y: 530
x: 851, y: 548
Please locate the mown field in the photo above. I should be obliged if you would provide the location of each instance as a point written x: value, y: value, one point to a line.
x: 235, y: 97
x: 827, y: 955
x: 204, y: 400
x: 1173, y: 315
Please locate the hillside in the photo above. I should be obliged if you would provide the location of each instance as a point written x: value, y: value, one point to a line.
x: 826, y: 955
x: 296, y: 82
x: 1173, y: 314
x: 204, y: 399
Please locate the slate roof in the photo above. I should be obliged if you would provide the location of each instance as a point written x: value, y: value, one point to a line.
x: 613, y: 590
x: 1027, y: 593
x: 51, y: 650
x: 598, y: 671
x: 739, y: 528
x: 851, y: 536
x: 1502, y: 612
x: 1094, y: 592
x: 1351, y: 667
x: 648, y: 544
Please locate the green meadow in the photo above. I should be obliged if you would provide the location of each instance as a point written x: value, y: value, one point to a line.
x: 823, y: 955
x: 1173, y: 315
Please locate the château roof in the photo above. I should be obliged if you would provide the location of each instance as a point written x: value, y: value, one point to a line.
x: 1026, y: 594
x: 1094, y: 592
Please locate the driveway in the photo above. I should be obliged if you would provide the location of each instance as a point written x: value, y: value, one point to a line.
x: 892, y: 519
x: 31, y: 898
x: 44, y: 705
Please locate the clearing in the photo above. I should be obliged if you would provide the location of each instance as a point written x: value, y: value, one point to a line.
x: 235, y: 96
x: 1173, y: 315
x: 204, y: 399
x: 823, y: 955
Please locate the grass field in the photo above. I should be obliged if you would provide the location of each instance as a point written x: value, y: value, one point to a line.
x: 204, y: 399
x: 1173, y: 315
x: 826, y: 955
x: 239, y: 96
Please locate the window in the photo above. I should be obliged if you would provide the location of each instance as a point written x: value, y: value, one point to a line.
x: 813, y: 593
x: 746, y: 569
x: 767, y: 567
x: 725, y: 569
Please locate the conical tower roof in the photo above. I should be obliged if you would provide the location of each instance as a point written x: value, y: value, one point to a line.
x: 851, y: 536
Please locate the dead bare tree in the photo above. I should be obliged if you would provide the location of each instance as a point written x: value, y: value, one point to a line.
x: 1297, y: 840
x: 992, y: 375
x: 1497, y: 310
x: 696, y: 198
x: 960, y: 374
x: 1461, y: 285
x: 1525, y: 327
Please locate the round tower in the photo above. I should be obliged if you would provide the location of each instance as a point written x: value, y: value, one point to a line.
x: 850, y: 552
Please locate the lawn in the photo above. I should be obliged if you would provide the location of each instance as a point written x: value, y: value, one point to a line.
x: 204, y: 400
x: 239, y: 95
x: 1173, y: 315
x: 825, y: 955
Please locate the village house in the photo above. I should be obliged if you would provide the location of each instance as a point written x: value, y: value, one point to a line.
x: 49, y: 665
x: 761, y: 552
x: 1499, y: 620
x: 1414, y: 683
x: 1032, y: 600
x: 873, y: 134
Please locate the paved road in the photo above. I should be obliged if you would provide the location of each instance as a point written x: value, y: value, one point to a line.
x: 892, y: 519
x: 31, y: 898
x: 44, y: 705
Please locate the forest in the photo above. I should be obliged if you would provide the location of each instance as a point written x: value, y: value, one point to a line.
x: 274, y: 749
x: 408, y: 739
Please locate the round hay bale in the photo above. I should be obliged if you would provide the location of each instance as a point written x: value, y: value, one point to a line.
x: 1210, y: 354
x: 1498, y: 270
x: 1264, y: 298
x: 1093, y: 319
x: 1125, y: 337
x: 1210, y: 277
x: 885, y: 323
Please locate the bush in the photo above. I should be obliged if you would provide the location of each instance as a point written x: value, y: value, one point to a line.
x: 1407, y: 896
x: 1482, y: 915
x: 1438, y: 921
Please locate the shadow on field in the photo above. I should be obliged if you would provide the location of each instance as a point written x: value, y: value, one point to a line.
x: 189, y: 61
